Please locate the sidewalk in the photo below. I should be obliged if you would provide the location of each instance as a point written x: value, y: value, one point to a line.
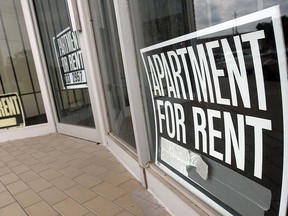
x: 61, y: 175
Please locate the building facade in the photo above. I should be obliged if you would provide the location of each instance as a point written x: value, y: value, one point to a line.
x: 190, y: 95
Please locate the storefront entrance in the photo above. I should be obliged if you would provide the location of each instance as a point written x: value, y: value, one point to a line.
x: 66, y: 70
x: 191, y: 96
x: 112, y: 70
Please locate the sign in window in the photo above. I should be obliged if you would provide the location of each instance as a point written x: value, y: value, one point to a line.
x: 70, y: 59
x: 11, y: 112
x: 220, y: 109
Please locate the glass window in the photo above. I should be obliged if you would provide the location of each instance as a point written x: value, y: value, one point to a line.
x: 215, y: 96
x: 17, y: 70
x: 65, y: 63
x: 112, y: 71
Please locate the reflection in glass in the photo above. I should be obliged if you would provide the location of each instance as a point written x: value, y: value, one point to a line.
x: 73, y: 105
x: 112, y: 71
x: 154, y: 23
x: 208, y: 13
x: 17, y: 69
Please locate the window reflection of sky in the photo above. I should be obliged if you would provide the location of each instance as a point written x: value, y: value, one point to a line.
x: 221, y: 11
x: 283, y: 3
x: 209, y: 12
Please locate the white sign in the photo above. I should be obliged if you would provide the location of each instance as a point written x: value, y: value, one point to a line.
x: 70, y: 59
x: 211, y: 94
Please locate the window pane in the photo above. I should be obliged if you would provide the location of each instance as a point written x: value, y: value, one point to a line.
x: 17, y: 69
x: 73, y: 105
x: 202, y: 89
x: 112, y: 71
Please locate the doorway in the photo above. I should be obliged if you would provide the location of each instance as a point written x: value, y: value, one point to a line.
x: 66, y: 70
x: 112, y: 71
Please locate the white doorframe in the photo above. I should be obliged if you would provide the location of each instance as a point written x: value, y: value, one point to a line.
x: 41, y: 67
x: 40, y: 129
x: 91, y: 62
x: 133, y: 84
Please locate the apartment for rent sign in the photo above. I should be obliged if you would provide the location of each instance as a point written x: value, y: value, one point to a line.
x: 70, y: 60
x: 211, y: 95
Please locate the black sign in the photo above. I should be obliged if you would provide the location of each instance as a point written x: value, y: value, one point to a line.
x: 221, y: 95
x: 70, y: 59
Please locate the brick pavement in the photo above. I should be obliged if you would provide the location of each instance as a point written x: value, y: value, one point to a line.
x: 61, y: 175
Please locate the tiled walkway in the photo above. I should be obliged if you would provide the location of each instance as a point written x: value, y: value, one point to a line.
x: 60, y: 175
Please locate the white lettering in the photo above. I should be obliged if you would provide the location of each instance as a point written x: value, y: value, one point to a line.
x: 168, y: 76
x: 68, y: 43
x: 234, y: 74
x: 160, y: 71
x: 177, y: 74
x: 253, y: 38
x: 65, y: 64
x: 76, y: 61
x: 238, y: 145
x: 199, y: 127
x: 170, y: 121
x: 174, y: 119
x: 201, y: 75
x: 156, y: 85
x: 182, y: 53
x: 259, y: 125
x: 160, y: 115
x: 216, y: 73
x: 180, y: 122
x: 211, y: 114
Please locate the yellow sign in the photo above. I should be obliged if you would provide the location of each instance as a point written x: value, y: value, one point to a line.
x: 11, y: 112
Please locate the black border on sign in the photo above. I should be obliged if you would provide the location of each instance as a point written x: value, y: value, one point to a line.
x: 275, y: 14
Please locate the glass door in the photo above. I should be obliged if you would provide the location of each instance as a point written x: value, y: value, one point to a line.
x: 66, y: 69
x: 112, y: 71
